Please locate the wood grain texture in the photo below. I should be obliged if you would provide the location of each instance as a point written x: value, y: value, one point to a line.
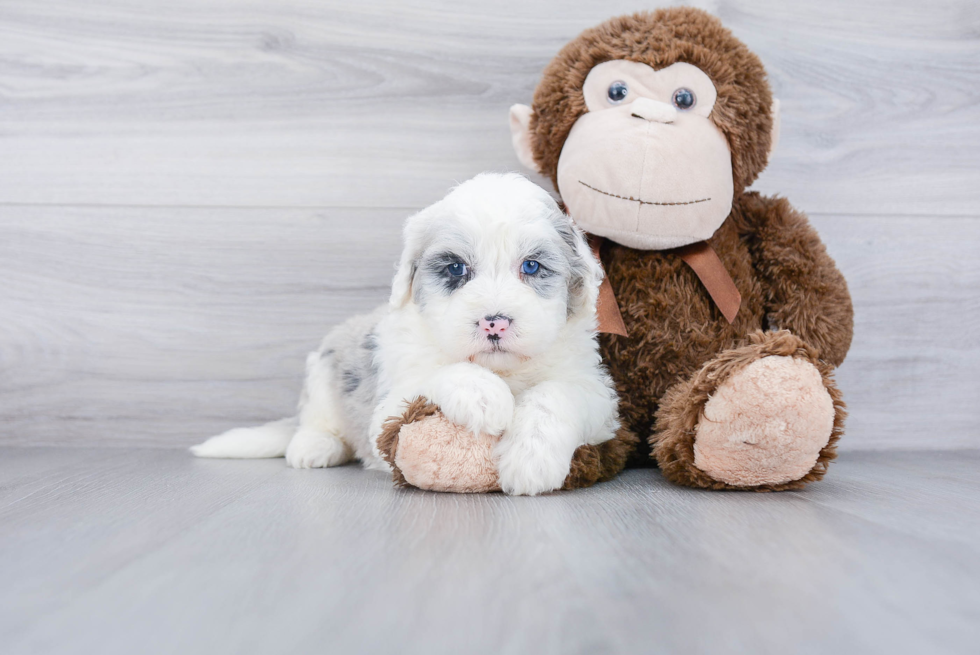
x: 122, y: 551
x: 193, y: 192
x: 152, y: 325
x: 162, y: 326
x: 377, y: 103
x: 910, y: 379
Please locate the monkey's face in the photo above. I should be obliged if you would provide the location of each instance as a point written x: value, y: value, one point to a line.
x: 645, y: 166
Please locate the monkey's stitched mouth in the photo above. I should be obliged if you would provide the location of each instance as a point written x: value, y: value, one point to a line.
x: 643, y: 202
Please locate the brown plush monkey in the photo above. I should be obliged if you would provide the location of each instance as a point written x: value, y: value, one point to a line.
x: 651, y: 127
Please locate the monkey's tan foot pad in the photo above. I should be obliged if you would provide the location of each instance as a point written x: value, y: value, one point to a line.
x: 766, y: 424
x: 765, y: 416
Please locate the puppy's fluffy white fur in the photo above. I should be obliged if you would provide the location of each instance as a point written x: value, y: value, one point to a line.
x: 539, y: 383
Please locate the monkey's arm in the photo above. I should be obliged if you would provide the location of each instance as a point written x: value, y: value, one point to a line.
x: 805, y: 293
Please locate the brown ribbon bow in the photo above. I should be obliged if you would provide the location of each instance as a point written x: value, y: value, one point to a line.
x: 705, y: 263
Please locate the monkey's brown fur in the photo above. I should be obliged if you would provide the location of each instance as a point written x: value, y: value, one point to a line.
x: 680, y: 347
x: 590, y: 463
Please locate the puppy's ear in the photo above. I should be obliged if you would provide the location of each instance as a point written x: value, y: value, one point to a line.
x: 586, y: 273
x: 413, y: 243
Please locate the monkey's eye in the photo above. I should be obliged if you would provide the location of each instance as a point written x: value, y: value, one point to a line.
x: 684, y: 98
x: 530, y: 267
x: 457, y: 269
x: 617, y: 92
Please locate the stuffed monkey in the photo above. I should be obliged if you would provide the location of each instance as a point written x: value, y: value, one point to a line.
x: 727, y: 316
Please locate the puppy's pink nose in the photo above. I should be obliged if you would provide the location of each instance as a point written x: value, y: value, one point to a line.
x: 494, y: 326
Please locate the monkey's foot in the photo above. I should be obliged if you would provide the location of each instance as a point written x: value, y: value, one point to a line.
x: 765, y: 424
x: 762, y: 417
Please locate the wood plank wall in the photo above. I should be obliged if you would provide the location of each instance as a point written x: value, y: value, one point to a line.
x: 193, y: 191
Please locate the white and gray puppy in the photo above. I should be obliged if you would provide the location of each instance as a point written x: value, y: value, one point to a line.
x: 491, y: 317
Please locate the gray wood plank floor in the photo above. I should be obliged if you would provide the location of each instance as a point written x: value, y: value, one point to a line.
x: 152, y: 551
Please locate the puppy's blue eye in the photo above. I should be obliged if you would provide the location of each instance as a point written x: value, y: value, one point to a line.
x: 617, y: 92
x: 457, y: 270
x: 530, y: 267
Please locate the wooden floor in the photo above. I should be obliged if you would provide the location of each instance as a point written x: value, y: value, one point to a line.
x: 151, y: 551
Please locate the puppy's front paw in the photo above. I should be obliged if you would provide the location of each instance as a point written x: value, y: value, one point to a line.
x: 531, y: 458
x: 311, y: 450
x: 530, y: 475
x: 481, y: 402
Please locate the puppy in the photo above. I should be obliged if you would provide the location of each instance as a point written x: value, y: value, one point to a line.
x: 491, y: 317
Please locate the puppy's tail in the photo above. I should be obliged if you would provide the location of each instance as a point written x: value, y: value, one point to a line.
x: 269, y: 440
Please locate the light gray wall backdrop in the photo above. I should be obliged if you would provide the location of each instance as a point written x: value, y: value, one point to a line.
x: 193, y: 191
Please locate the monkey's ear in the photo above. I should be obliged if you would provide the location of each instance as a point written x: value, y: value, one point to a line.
x: 774, y: 135
x: 520, y: 134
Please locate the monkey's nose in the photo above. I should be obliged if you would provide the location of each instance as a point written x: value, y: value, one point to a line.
x: 651, y: 110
